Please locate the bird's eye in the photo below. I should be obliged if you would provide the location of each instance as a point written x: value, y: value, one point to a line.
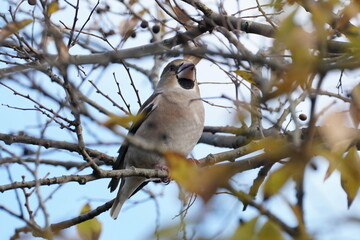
x: 172, y: 68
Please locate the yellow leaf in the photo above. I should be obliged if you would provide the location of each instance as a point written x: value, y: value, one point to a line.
x: 142, y: 12
x: 350, y: 174
x: 181, y: 169
x: 13, y: 27
x: 277, y: 180
x: 342, y: 22
x: 124, y: 121
x: 247, y: 76
x: 270, y: 230
x: 275, y: 146
x: 202, y: 181
x: 334, y: 158
x: 246, y: 230
x: 53, y: 7
x: 90, y: 229
x: 291, y: 36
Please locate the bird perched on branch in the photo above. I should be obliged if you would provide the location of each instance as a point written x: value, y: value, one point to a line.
x: 355, y: 105
x: 172, y: 117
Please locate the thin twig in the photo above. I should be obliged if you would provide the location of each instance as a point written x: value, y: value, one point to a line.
x: 132, y: 84
x: 74, y: 24
x: 292, y: 231
x: 108, y: 98
x: 87, y: 20
x: 121, y: 95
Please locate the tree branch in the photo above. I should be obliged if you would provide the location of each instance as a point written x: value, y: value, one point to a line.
x: 83, y: 179
x: 66, y: 164
x: 47, y: 143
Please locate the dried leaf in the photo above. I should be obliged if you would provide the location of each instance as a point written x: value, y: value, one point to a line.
x: 13, y: 27
x: 90, y: 229
x: 192, y: 59
x: 336, y: 132
x: 182, y: 16
x: 127, y: 26
x: 343, y: 22
x: 132, y: 2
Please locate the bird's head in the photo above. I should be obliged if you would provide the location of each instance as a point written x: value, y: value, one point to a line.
x: 178, y: 73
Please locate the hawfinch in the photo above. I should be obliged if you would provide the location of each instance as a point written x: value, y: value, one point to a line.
x: 172, y: 117
x: 355, y: 105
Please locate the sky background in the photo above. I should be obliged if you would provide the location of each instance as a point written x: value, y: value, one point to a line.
x: 325, y: 202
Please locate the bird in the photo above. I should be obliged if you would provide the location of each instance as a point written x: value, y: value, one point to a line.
x: 172, y: 118
x: 355, y: 105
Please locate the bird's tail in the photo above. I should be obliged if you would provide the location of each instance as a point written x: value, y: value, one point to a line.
x: 126, y: 190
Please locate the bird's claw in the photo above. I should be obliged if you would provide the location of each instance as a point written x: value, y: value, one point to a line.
x: 193, y: 160
x: 163, y: 167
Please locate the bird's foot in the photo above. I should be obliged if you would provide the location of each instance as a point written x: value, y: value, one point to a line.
x: 193, y: 160
x: 163, y: 167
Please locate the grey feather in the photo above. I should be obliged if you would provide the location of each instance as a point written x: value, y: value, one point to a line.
x: 173, y: 117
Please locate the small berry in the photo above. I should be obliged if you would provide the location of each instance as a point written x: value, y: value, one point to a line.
x: 144, y: 24
x: 32, y: 2
x: 156, y: 29
x: 302, y: 117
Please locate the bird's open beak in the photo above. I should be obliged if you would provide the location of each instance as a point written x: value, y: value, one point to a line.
x: 186, y: 71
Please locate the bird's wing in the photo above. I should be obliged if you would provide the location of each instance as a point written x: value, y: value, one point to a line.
x: 145, y: 110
